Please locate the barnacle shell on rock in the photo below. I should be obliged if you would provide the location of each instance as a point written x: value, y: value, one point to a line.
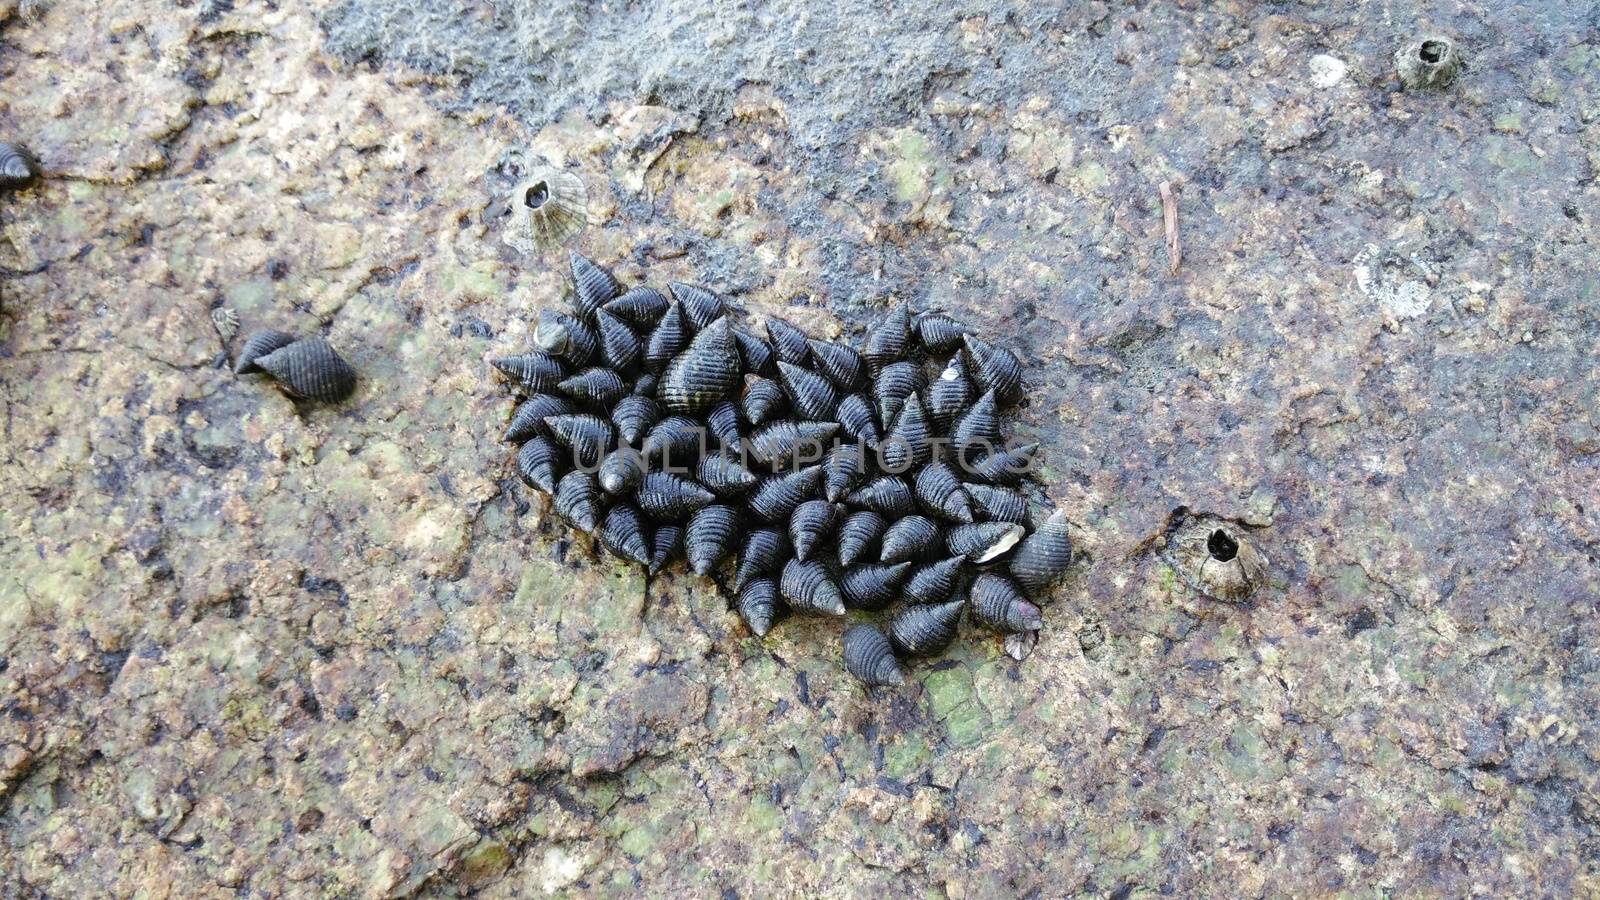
x: 546, y: 210
x: 1217, y: 558
x: 18, y: 168
x: 869, y: 657
x: 310, y: 369
x: 258, y: 345
x: 1431, y: 63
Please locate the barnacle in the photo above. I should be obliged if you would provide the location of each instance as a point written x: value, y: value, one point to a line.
x: 546, y: 210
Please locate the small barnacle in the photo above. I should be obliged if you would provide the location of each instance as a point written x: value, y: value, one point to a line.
x: 258, y: 345
x: 810, y: 524
x: 1217, y: 559
x: 18, y: 168
x: 857, y: 535
x: 704, y: 374
x: 873, y: 586
x: 870, y: 658
x: 666, y: 497
x: 702, y: 307
x: 1431, y: 63
x: 710, y: 537
x: 925, y: 630
x: 226, y: 322
x: 624, y: 533
x: 546, y: 211
x: 808, y: 587
x: 310, y: 369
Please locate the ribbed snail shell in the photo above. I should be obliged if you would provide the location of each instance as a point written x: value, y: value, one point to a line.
x: 888, y: 341
x: 994, y: 368
x: 763, y: 554
x: 893, y: 384
x: 911, y: 537
x: 665, y: 497
x: 982, y: 542
x: 710, y: 537
x: 885, y: 494
x: 764, y: 400
x: 976, y: 433
x: 592, y: 286
x: 310, y: 369
x: 665, y: 546
x: 759, y: 605
x: 789, y: 343
x: 703, y: 375
x: 723, y: 422
x: 538, y: 371
x: 842, y: 365
x: 634, y: 416
x: 808, y: 587
x: 528, y: 418
x: 563, y: 335
x: 810, y: 525
x: 938, y: 332
x: 258, y: 345
x: 539, y: 464
x: 597, y: 385
x: 997, y: 503
x: 670, y: 337
x: 577, y: 500
x: 873, y: 586
x: 857, y: 535
x: 925, y: 630
x: 18, y: 168
x: 755, y: 354
x: 998, y: 603
x: 934, y: 582
x: 1045, y: 555
x: 1003, y: 467
x: 843, y: 469
x: 942, y: 494
x: 909, y: 445
x: 621, y: 472
x: 702, y: 307
x: 870, y: 658
x: 810, y: 395
x: 641, y: 307
x: 620, y: 348
x: 625, y: 533
x: 786, y: 445
x: 858, y: 419
x: 949, y: 394
x: 588, y: 436
x: 676, y: 441
x: 775, y: 498
x: 724, y: 476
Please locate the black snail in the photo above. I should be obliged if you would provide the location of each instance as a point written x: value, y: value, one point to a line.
x: 828, y: 478
x: 310, y: 369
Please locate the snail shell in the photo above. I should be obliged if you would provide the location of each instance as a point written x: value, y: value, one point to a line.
x: 592, y: 286
x: 619, y: 346
x: 675, y: 441
x: 913, y: 537
x: 982, y: 542
x: 703, y: 375
x: 634, y: 415
x: 998, y: 603
x: 994, y: 369
x: 1003, y: 467
x: 810, y: 524
x: 886, y: 494
x: 938, y: 332
x: 764, y: 552
x: 808, y: 587
x: 775, y: 498
x: 702, y: 307
x: 18, y: 168
x: 559, y: 334
x: 893, y: 384
x: 858, y: 420
x: 578, y: 500
x: 842, y: 365
x: 538, y: 372
x: 785, y: 444
x: 1044, y: 555
x: 666, y: 497
x: 645, y: 385
x: 594, y: 385
x: 528, y: 418
x: 925, y: 630
x: 976, y: 433
x: 887, y: 342
x: 873, y: 586
x: 669, y: 338
x: 588, y: 436
x: 310, y: 369
x: 723, y: 420
x: 870, y: 658
x: 641, y: 307
x: 810, y: 395
x: 665, y: 546
x: 724, y: 476
x: 949, y: 394
x: 710, y: 537
x: 857, y: 535
x: 547, y: 210
x: 258, y: 345
x: 998, y: 504
x: 539, y: 464
x: 622, y: 471
x: 843, y: 469
x: 791, y: 345
x: 624, y: 533
x: 934, y: 582
x: 755, y: 354
x: 759, y: 605
x: 764, y: 400
x: 941, y: 493
x: 909, y: 444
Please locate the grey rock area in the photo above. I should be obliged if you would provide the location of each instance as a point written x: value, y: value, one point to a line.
x: 249, y: 646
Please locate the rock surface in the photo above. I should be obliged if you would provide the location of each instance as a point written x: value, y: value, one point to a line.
x: 341, y: 651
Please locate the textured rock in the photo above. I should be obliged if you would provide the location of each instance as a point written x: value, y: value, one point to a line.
x: 349, y: 653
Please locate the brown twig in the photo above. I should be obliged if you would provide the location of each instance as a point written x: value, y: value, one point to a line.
x: 1169, y: 220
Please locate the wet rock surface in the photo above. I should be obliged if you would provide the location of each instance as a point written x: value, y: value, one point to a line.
x: 342, y: 650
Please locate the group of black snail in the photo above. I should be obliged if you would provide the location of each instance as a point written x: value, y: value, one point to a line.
x: 834, y: 478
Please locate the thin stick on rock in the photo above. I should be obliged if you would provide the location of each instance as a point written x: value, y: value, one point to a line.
x: 1169, y: 220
